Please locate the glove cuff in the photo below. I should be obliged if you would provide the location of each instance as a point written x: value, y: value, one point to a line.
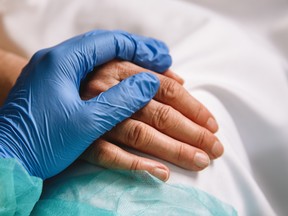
x: 19, y: 191
x: 7, y: 147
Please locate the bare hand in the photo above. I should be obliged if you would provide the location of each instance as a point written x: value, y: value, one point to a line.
x: 174, y: 127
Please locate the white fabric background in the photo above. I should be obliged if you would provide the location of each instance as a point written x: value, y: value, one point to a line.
x: 269, y: 18
x: 239, y: 73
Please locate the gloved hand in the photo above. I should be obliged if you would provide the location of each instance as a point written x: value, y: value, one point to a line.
x: 45, y: 124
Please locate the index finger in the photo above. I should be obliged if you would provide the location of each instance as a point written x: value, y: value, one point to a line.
x: 172, y: 93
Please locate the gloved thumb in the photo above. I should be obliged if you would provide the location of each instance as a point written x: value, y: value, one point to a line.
x: 119, y: 102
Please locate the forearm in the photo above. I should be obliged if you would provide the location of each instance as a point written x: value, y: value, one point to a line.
x: 10, y: 68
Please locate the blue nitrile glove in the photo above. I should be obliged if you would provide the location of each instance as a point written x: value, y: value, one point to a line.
x: 45, y: 124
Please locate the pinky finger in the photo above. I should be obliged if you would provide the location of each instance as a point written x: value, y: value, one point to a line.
x: 108, y: 155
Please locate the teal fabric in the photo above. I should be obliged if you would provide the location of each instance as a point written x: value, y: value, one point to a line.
x: 18, y: 190
x: 56, y: 207
x: 125, y: 193
x: 103, y: 193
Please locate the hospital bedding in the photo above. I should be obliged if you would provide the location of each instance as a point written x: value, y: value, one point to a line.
x: 104, y: 193
x: 240, y: 75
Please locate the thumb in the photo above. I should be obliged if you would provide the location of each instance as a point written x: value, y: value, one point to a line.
x: 120, y: 102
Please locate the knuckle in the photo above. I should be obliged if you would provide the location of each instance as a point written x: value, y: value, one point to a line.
x: 114, y: 65
x: 126, y: 69
x: 197, y: 112
x: 38, y: 54
x: 105, y: 156
x: 161, y: 117
x: 136, y: 164
x: 120, y: 69
x: 93, y: 88
x: 180, y: 152
x: 138, y: 135
x: 53, y: 55
x: 169, y: 89
x: 200, y: 139
x: 122, y: 65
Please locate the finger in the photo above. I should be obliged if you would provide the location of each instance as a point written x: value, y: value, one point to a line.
x: 147, y: 54
x: 98, y: 82
x: 173, y: 94
x: 146, y: 139
x: 110, y: 156
x: 170, y: 92
x: 117, y: 103
x: 174, y: 76
x: 82, y: 53
x: 172, y: 123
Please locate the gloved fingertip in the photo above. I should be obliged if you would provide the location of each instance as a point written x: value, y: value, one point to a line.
x: 147, y: 82
x: 152, y: 54
x: 120, y: 102
x: 133, y: 92
x: 164, y: 65
x: 144, y: 51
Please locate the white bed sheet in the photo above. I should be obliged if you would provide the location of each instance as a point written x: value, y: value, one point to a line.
x: 239, y: 75
x: 267, y: 18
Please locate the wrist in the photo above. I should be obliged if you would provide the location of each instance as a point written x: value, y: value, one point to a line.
x: 2, y: 152
x: 5, y: 149
x: 8, y: 148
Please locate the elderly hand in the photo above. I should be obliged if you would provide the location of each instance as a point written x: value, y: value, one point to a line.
x: 174, y: 127
x: 45, y: 124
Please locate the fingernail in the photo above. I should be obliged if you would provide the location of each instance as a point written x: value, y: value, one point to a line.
x: 160, y: 174
x: 201, y: 160
x: 212, y: 125
x: 217, y: 149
